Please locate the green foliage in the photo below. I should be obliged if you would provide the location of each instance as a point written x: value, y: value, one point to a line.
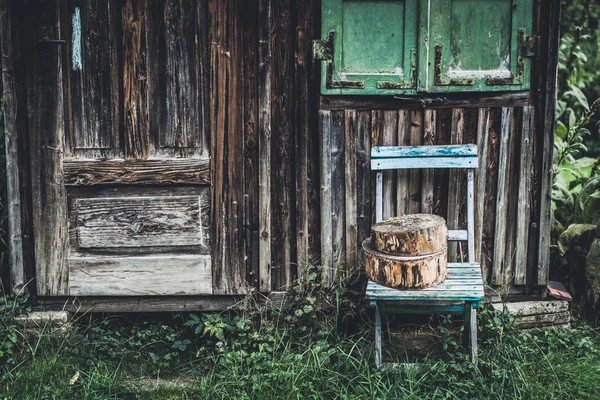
x: 11, y: 306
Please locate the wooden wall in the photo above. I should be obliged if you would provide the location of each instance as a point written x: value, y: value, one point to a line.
x: 290, y: 179
x: 505, y: 139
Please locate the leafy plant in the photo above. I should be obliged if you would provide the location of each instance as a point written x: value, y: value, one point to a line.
x: 11, y: 306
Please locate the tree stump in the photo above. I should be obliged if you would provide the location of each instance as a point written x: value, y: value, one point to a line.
x: 407, y: 252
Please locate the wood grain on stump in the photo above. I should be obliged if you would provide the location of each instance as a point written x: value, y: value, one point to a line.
x: 408, y: 252
x: 410, y: 235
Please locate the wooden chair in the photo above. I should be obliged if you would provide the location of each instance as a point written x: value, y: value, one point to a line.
x: 462, y: 290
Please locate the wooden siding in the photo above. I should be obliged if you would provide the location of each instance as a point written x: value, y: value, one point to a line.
x: 503, y: 137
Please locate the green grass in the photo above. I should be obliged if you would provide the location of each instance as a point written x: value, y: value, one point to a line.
x: 123, y: 359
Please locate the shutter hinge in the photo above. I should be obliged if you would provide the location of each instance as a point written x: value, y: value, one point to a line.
x: 323, y: 49
x: 531, y: 45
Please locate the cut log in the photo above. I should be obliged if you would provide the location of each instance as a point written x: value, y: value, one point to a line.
x: 405, y: 272
x: 410, y: 235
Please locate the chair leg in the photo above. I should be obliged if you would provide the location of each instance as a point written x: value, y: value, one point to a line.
x: 378, y: 355
x: 470, y: 331
x: 385, y: 321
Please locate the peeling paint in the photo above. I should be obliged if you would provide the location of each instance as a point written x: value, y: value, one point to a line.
x: 76, y: 40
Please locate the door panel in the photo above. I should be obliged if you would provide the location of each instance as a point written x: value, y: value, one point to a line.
x: 125, y: 209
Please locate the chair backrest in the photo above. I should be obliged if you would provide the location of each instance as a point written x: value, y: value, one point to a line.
x: 425, y: 157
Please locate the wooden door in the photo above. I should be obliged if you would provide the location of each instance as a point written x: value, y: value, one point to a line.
x: 121, y: 146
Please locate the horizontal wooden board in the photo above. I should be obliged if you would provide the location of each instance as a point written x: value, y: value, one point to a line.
x: 140, y: 172
x: 452, y: 150
x: 423, y: 162
x: 140, y: 276
x: 139, y: 221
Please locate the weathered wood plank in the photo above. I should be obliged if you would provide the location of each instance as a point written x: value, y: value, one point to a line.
x: 350, y: 202
x: 251, y: 160
x: 451, y: 100
x: 94, y: 75
x: 140, y: 221
x: 455, y: 181
x: 13, y: 136
x: 483, y: 122
x: 547, y: 110
x: 226, y: 146
x: 416, y: 138
x: 135, y: 90
x: 138, y: 304
x: 499, y: 262
x: 46, y: 133
x: 365, y: 194
x: 304, y: 117
x: 430, y: 149
x: 402, y: 176
x: 533, y: 307
x: 264, y: 144
x: 157, y: 275
x: 139, y: 172
x: 283, y: 134
x: 429, y: 134
x: 424, y: 162
x: 390, y: 121
x: 338, y: 189
x: 523, y: 206
x: 326, y: 200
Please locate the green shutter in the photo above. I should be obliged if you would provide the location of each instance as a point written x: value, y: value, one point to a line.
x: 478, y: 45
x: 369, y: 46
x: 422, y: 46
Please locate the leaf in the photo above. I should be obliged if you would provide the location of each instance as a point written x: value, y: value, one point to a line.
x: 592, y: 266
x: 578, y: 94
x: 573, y: 234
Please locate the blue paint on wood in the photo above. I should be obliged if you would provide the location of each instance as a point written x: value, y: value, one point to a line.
x: 464, y: 283
x: 378, y: 164
x: 76, y: 40
x: 459, y: 150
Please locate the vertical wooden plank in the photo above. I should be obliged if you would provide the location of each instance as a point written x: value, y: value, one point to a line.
x: 135, y: 101
x: 402, y: 176
x: 326, y: 201
x: 483, y: 122
x: 226, y: 140
x: 303, y: 117
x: 523, y: 205
x: 338, y: 189
x: 456, y: 180
x: 552, y: 35
x: 351, y: 192
x: 283, y: 133
x: 264, y: 143
x: 416, y: 139
x: 512, y: 189
x: 363, y: 178
x: 379, y: 196
x: 46, y: 131
x: 390, y: 121
x: 441, y: 176
x: 498, y: 265
x: 13, y: 138
x: 183, y: 77
x: 251, y: 159
x: 429, y: 131
x: 94, y: 75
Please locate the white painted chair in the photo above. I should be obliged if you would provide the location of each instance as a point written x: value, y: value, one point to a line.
x: 462, y: 290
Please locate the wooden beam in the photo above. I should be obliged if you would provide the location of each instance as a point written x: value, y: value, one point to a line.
x: 351, y: 193
x: 326, y: 200
x: 195, y: 171
x: 447, y: 100
x: 483, y: 124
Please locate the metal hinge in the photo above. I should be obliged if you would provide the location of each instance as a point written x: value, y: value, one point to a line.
x: 531, y: 46
x: 323, y: 49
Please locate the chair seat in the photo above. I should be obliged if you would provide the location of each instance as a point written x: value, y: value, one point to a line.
x: 463, y: 283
